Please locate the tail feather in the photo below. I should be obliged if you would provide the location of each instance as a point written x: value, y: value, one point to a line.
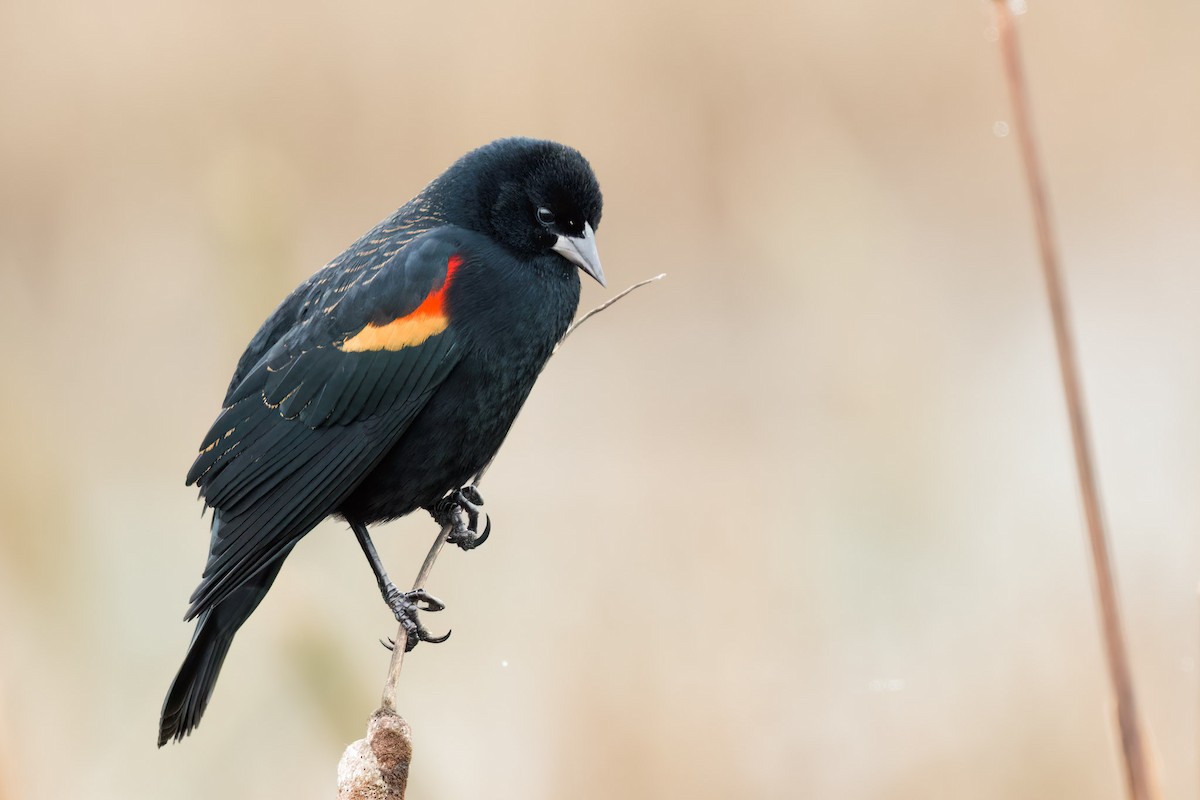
x: 193, y: 685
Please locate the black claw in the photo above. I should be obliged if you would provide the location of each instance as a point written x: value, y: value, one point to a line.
x: 450, y: 511
x: 487, y: 531
x: 420, y: 634
x: 424, y: 601
x: 471, y: 495
x: 389, y: 644
x: 406, y: 606
x: 437, y: 639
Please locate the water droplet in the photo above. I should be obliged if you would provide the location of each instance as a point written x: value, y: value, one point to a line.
x: 1000, y: 128
x: 504, y: 663
x: 1017, y: 6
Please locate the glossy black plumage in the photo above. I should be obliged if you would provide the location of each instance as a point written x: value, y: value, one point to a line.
x: 388, y: 379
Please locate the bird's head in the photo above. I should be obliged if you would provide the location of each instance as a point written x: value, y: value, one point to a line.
x: 534, y: 197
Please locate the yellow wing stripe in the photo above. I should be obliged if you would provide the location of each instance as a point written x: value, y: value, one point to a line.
x: 398, y: 334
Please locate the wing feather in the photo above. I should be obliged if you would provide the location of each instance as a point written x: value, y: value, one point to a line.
x: 289, y: 512
x: 267, y: 461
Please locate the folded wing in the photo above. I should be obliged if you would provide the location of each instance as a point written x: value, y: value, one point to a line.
x: 325, y: 401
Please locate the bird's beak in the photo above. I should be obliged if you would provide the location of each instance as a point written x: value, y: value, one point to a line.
x: 581, y: 251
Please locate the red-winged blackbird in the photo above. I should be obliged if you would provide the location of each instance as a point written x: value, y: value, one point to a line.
x: 386, y: 381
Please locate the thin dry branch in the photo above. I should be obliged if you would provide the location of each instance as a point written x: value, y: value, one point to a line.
x: 605, y: 305
x: 376, y: 768
x: 1139, y: 775
x: 388, y: 701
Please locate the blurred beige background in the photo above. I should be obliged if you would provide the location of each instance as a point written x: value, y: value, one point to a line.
x: 798, y: 522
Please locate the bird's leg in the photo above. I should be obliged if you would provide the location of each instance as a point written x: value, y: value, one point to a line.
x: 450, y: 510
x: 404, y: 605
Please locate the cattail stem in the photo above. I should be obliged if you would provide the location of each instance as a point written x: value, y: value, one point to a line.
x: 388, y: 701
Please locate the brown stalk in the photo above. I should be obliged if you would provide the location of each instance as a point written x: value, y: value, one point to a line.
x: 1138, y: 771
x: 388, y: 701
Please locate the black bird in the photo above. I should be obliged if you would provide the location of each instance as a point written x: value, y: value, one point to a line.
x: 386, y: 381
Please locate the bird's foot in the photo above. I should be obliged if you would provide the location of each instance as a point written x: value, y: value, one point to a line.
x: 405, y: 606
x: 451, y: 509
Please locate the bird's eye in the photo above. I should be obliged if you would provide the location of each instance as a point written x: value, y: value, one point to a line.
x: 545, y: 216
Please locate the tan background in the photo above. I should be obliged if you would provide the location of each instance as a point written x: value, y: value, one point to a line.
x: 798, y: 522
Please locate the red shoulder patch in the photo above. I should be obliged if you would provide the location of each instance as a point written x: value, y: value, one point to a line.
x: 427, y: 319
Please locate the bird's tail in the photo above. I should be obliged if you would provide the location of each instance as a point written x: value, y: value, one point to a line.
x: 193, y: 686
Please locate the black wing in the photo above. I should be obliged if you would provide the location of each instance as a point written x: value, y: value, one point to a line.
x: 307, y: 419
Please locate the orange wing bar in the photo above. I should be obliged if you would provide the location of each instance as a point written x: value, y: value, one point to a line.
x: 427, y: 319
